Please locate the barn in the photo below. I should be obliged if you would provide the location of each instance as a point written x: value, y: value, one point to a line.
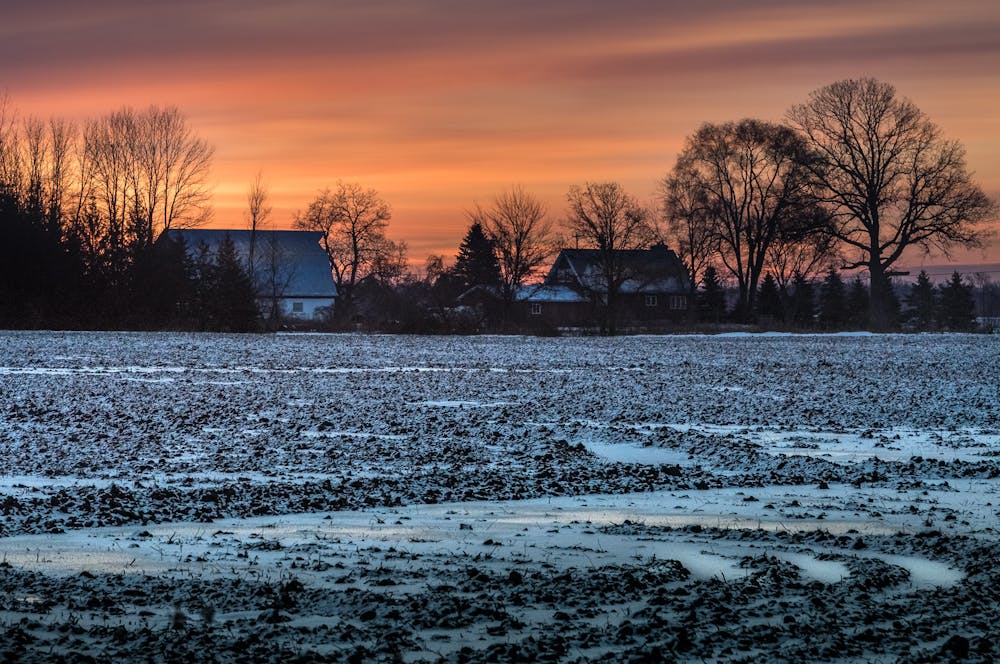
x: 289, y: 269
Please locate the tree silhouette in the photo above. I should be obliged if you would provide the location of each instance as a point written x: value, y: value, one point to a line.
x: 353, y: 222
x: 769, y: 303
x: 857, y: 303
x: 922, y: 304
x: 515, y: 222
x: 832, y: 301
x: 957, y: 307
x: 752, y: 180
x: 888, y: 178
x: 476, y: 263
x: 803, y: 302
x: 611, y: 221
x: 711, y: 299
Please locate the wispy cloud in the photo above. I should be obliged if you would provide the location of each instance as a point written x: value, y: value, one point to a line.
x: 439, y: 102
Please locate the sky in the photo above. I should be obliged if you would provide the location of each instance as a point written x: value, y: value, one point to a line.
x: 440, y: 104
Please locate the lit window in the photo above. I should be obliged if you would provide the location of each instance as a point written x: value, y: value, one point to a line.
x: 536, y: 309
x: 297, y: 308
x: 650, y: 300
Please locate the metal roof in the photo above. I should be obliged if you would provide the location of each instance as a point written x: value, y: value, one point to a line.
x: 300, y: 260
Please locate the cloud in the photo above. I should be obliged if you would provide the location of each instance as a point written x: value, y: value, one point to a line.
x: 438, y: 102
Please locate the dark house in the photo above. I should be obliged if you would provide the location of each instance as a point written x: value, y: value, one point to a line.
x: 654, y: 290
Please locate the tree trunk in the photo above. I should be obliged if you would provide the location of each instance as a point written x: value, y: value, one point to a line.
x: 878, y: 307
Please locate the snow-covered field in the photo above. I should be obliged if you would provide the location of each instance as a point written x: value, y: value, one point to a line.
x: 499, y: 498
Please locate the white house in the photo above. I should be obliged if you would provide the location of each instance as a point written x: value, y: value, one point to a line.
x: 290, y: 269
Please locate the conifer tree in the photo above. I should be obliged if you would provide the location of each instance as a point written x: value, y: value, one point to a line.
x: 803, y: 301
x: 712, y: 300
x: 476, y: 263
x: 833, y: 301
x: 769, y: 303
x: 857, y: 303
x: 234, y: 302
x: 921, y: 303
x: 957, y: 309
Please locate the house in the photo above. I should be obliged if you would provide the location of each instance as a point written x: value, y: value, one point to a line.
x: 290, y: 270
x: 654, y: 289
x: 654, y: 292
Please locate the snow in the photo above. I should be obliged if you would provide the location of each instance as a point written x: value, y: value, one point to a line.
x: 740, y: 486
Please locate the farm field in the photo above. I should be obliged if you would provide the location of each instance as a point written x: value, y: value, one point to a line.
x: 349, y: 497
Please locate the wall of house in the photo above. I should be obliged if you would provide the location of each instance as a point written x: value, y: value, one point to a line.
x: 634, y: 307
x: 300, y: 308
x: 556, y: 314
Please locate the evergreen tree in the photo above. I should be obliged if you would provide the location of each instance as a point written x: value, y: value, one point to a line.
x: 921, y: 304
x: 893, y: 310
x: 833, y: 301
x: 163, y: 283
x: 803, y: 301
x: 957, y: 307
x: 857, y: 303
x: 711, y: 298
x: 234, y: 303
x: 769, y: 304
x: 476, y: 263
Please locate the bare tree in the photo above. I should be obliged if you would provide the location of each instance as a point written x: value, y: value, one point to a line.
x: 107, y: 147
x: 389, y: 265
x: 257, y: 214
x: 889, y: 178
x: 802, y: 247
x: 611, y: 221
x: 353, y: 222
x: 62, y: 136
x: 37, y: 156
x: 10, y: 146
x: 151, y: 173
x: 521, y: 236
x: 747, y: 181
x: 684, y: 209
x: 275, y: 277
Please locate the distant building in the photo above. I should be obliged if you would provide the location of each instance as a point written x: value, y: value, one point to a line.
x: 290, y: 270
x: 655, y: 291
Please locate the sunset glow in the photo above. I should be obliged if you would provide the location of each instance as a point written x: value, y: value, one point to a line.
x: 438, y: 104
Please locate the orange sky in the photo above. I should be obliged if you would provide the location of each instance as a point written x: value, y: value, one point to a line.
x: 438, y: 104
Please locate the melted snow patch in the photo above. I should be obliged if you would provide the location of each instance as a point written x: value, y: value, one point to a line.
x: 563, y: 533
x: 645, y: 455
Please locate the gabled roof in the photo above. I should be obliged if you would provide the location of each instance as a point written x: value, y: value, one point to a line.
x: 548, y: 293
x: 301, y: 261
x: 653, y: 270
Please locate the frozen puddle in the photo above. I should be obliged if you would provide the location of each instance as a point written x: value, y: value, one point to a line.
x: 625, y: 453
x: 559, y: 533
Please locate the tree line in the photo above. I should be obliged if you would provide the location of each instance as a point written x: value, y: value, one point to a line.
x: 850, y: 179
x: 81, y: 206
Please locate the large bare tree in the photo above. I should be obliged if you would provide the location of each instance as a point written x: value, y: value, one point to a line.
x: 353, y: 221
x: 889, y: 179
x: 522, y: 236
x: 745, y: 181
x: 606, y: 218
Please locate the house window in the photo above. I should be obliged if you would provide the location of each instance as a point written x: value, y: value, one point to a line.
x: 536, y: 309
x: 650, y: 300
x: 678, y: 302
x: 297, y: 308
